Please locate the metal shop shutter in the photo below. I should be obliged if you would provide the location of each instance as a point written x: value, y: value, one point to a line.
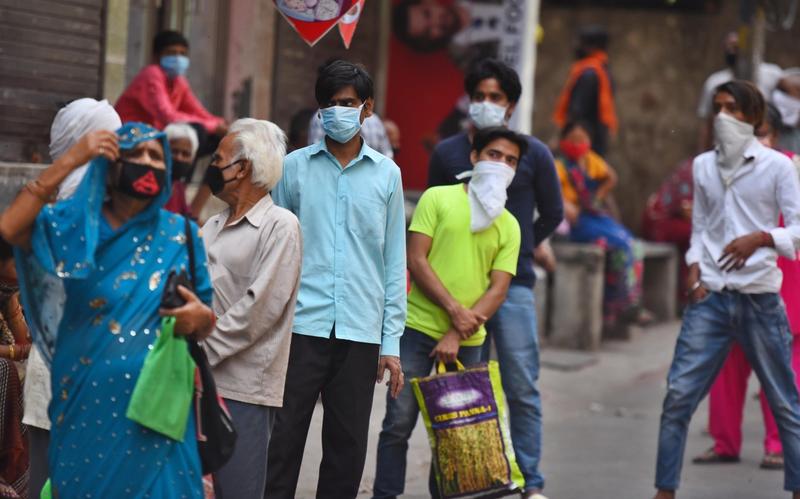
x: 51, y: 52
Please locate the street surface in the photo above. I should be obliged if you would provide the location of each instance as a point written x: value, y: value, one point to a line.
x: 600, y: 428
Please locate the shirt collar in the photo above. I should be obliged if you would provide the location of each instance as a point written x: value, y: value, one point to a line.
x: 255, y: 215
x: 366, y: 151
x: 754, y: 149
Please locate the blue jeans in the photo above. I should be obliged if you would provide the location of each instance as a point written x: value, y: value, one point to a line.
x: 401, y: 413
x: 513, y: 330
x: 758, y: 323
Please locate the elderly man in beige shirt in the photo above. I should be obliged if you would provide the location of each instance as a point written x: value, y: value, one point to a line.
x: 254, y: 254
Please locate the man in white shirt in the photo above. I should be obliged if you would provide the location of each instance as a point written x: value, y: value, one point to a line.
x: 741, y: 188
x: 767, y: 78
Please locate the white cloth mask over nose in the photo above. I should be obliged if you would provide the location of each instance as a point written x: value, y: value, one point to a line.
x: 731, y: 137
x: 487, y: 192
x: 788, y: 106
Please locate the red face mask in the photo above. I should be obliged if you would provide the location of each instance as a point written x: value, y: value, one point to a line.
x: 573, y: 150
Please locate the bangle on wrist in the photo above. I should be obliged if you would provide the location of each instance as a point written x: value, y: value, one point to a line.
x: 11, y: 352
x: 697, y: 285
x: 766, y: 239
x: 36, y: 189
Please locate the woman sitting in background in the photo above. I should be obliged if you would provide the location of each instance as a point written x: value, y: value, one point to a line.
x: 586, y: 182
x: 15, y: 344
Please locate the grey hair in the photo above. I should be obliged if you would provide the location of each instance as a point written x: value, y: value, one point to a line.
x: 263, y: 143
x: 183, y: 131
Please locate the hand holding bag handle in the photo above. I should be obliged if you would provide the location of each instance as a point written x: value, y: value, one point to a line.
x: 441, y: 367
x: 216, y: 437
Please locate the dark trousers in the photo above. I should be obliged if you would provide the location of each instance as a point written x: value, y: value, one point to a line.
x: 245, y: 475
x: 38, y: 442
x: 344, y: 373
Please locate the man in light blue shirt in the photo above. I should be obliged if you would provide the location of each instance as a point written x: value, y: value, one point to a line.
x: 351, y: 307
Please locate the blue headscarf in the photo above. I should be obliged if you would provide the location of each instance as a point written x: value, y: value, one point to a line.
x: 66, y: 235
x: 92, y: 294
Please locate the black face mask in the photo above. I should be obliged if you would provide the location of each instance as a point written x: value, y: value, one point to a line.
x: 181, y: 170
x: 141, y: 181
x: 730, y: 59
x: 214, y: 179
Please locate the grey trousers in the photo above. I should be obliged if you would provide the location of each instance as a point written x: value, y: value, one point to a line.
x: 38, y: 441
x: 245, y: 475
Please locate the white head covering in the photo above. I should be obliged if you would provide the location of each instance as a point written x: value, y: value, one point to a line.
x: 183, y: 131
x: 72, y: 122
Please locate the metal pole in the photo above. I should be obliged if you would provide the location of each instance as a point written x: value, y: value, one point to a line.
x: 527, y: 70
x: 752, y: 34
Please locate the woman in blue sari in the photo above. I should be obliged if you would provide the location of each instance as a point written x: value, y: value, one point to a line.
x: 92, y: 270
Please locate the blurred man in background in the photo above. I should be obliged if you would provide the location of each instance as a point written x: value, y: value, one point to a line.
x: 588, y: 94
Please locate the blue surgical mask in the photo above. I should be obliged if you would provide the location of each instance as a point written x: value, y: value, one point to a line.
x: 175, y: 65
x: 341, y: 123
x: 486, y: 114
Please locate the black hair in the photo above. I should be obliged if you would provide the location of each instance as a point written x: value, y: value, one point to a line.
x: 483, y: 69
x: 338, y: 74
x: 773, y: 118
x: 593, y: 37
x: 486, y: 136
x: 166, y: 38
x: 572, y: 125
x: 400, y: 20
x: 749, y: 99
x: 299, y: 124
x: 6, y: 251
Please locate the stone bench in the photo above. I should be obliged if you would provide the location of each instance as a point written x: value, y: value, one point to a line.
x: 660, y: 280
x: 576, y: 302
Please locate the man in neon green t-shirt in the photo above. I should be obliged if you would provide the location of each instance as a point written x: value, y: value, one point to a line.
x: 462, y: 252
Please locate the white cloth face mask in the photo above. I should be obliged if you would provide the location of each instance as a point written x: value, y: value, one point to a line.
x: 731, y: 138
x: 486, y: 114
x: 788, y: 106
x: 487, y: 192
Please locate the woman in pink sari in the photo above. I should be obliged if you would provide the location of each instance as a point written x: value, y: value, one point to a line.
x: 727, y: 395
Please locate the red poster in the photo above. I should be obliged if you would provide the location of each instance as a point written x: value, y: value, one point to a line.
x: 432, y: 44
x: 312, y: 19
x: 348, y: 23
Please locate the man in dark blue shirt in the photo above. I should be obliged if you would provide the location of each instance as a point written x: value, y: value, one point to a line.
x: 494, y: 89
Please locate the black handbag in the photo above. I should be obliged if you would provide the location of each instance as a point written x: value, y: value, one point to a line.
x: 216, y: 437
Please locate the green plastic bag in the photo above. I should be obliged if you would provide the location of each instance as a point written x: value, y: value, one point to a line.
x: 47, y: 491
x: 163, y: 394
x: 467, y: 423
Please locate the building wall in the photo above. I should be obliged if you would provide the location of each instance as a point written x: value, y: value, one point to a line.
x: 659, y: 62
x: 296, y: 63
x: 51, y: 52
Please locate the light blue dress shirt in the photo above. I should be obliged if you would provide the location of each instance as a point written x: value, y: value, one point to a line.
x: 354, y: 249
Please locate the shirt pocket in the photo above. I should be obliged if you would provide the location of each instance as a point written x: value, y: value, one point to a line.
x: 366, y: 217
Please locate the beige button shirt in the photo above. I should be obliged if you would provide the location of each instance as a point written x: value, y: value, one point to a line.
x: 255, y: 267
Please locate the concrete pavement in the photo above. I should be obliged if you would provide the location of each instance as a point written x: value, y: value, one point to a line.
x: 600, y: 428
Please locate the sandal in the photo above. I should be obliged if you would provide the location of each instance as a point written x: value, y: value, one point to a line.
x: 772, y: 461
x: 711, y: 457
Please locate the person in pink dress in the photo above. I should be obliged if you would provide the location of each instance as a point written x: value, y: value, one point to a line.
x: 160, y: 94
x: 728, y: 394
